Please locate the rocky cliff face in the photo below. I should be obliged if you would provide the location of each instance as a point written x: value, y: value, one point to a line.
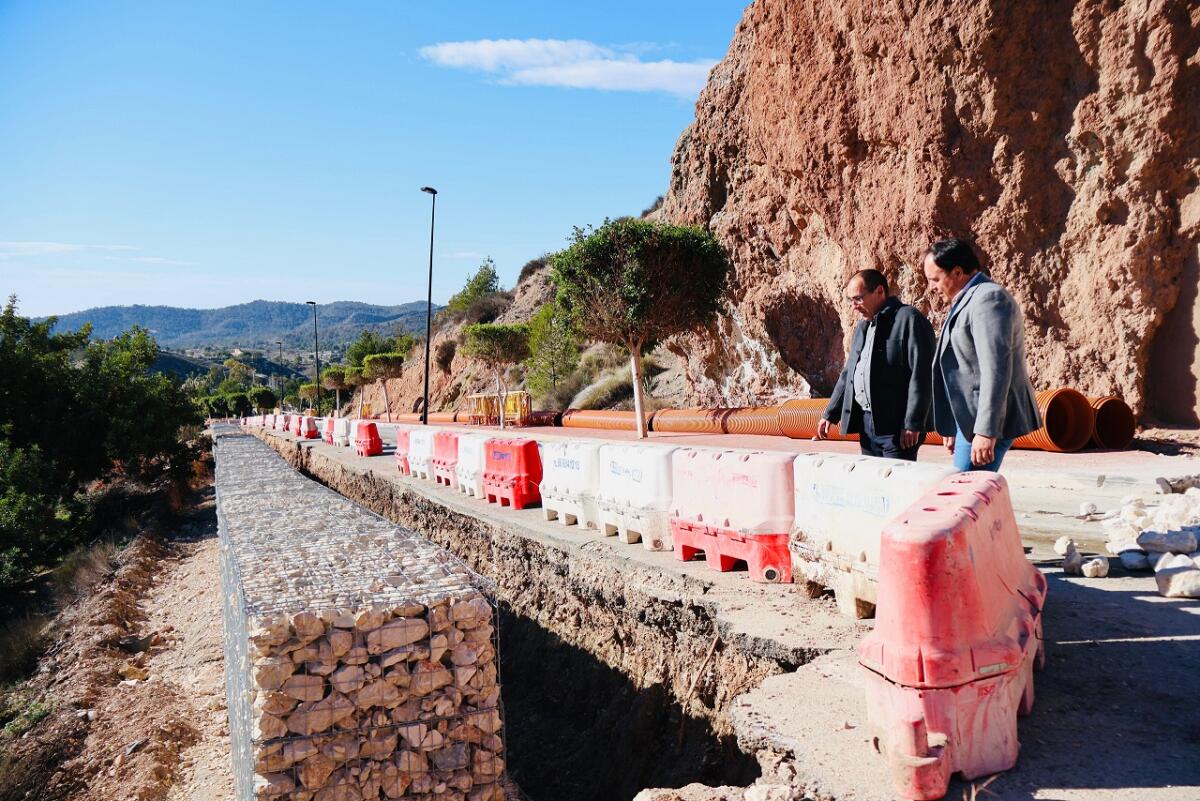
x: 1063, y: 138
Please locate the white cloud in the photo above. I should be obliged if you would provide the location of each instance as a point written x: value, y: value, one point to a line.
x: 573, y: 63
x: 463, y: 254
x: 10, y: 250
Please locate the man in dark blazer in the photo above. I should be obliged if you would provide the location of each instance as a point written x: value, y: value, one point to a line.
x: 982, y: 397
x: 884, y: 392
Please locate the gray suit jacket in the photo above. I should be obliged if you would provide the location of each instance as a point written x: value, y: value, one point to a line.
x: 980, y: 382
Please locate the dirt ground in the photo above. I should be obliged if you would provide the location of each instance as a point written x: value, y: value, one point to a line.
x: 133, y: 681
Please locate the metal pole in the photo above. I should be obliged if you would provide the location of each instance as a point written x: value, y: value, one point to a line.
x: 279, y: 342
x: 429, y: 304
x: 316, y: 357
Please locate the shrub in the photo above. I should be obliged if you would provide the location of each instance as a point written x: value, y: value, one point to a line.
x: 533, y: 266
x: 262, y: 398
x: 444, y: 354
x: 487, y: 309
x: 485, y: 281
x: 635, y: 283
x: 554, y: 350
x: 380, y: 367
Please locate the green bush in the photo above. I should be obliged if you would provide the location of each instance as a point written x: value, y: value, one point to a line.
x: 553, y: 351
x: 73, y: 411
x: 485, y: 281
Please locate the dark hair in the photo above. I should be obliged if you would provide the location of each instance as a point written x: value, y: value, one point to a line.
x: 872, y: 280
x: 950, y: 253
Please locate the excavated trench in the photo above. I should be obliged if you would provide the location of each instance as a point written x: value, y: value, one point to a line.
x: 615, y: 677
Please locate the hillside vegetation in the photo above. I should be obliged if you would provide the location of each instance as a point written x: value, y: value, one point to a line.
x: 257, y: 324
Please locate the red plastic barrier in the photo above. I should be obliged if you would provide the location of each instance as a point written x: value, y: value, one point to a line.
x: 328, y: 434
x: 366, y: 439
x: 735, y: 506
x: 402, y: 452
x: 958, y: 631
x: 283, y: 422
x: 296, y: 422
x: 445, y: 458
x: 512, y: 472
x: 306, y: 428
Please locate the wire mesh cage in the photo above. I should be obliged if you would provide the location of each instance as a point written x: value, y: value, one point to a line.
x: 361, y: 659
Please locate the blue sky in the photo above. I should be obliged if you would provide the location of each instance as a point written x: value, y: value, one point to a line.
x: 203, y: 154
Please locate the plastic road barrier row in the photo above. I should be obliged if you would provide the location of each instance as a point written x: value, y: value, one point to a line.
x: 420, y: 452
x: 512, y: 472
x: 327, y: 429
x: 471, y: 464
x: 570, y: 472
x: 366, y: 439
x: 734, y: 506
x: 842, y: 503
x: 445, y: 458
x: 949, y: 665
x: 402, y: 444
x: 633, y: 494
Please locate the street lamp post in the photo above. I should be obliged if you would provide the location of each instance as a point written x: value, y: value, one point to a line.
x: 279, y: 342
x: 316, y: 355
x: 429, y: 302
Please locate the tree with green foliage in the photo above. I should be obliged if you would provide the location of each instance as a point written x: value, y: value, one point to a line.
x: 217, y: 405
x: 635, y: 283
x: 355, y: 379
x: 497, y: 347
x: 553, y: 349
x: 74, y: 411
x: 263, y: 398
x: 239, y: 404
x: 335, y: 378
x: 380, y: 367
x: 308, y: 392
x: 370, y: 343
x: 241, y: 374
x: 484, y: 282
x: 292, y: 402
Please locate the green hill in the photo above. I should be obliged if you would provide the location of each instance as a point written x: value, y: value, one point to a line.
x: 258, y: 324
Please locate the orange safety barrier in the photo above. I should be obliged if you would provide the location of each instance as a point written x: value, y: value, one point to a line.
x: 734, y: 506
x: 307, y: 428
x: 604, y: 419
x: 512, y: 473
x: 366, y: 439
x: 445, y: 458
x: 798, y: 419
x: 328, y: 434
x: 958, y: 631
x: 1115, y: 424
x: 1068, y: 421
x: 402, y: 452
x: 758, y: 420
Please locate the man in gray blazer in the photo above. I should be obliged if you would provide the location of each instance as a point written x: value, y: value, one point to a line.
x: 982, y: 397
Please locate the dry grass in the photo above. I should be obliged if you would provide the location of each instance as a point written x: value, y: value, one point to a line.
x: 22, y: 644
x: 82, y: 569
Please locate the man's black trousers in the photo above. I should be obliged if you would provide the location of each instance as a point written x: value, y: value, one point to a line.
x: 886, y: 445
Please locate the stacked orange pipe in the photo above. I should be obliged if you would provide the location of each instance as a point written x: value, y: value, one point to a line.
x: 757, y: 420
x: 1068, y: 421
x: 1115, y: 424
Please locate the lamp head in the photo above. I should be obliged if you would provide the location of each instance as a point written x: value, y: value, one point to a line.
x: 429, y: 190
x: 310, y: 303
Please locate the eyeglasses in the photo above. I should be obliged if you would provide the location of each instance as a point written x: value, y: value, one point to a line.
x: 854, y: 300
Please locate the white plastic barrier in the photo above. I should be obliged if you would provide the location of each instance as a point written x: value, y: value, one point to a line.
x: 570, y: 469
x: 343, y: 428
x: 634, y: 493
x: 842, y: 505
x: 472, y: 455
x: 420, y: 452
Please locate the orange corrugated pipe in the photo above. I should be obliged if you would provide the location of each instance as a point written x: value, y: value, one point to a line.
x: 604, y: 419
x: 440, y: 417
x: 1115, y: 424
x: 798, y: 419
x: 756, y: 420
x: 1068, y: 421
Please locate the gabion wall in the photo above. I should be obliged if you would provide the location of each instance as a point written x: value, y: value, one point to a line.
x: 361, y: 659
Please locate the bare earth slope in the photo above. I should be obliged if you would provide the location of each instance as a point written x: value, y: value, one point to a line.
x: 1064, y: 138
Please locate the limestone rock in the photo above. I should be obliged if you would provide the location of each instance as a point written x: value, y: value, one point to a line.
x: 1180, y: 541
x: 1178, y: 577
x: 1062, y: 545
x: 1134, y: 560
x: 1096, y: 567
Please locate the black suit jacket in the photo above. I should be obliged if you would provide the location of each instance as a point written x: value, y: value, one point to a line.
x: 901, y: 377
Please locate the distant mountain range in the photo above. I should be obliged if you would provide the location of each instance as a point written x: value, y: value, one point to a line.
x: 259, y: 324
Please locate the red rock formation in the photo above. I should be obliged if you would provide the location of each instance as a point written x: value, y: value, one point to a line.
x: 1064, y: 138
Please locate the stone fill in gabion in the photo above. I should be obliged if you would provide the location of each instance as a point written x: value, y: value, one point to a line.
x: 360, y: 658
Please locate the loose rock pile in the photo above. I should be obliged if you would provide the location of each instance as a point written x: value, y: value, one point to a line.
x: 361, y: 658
x: 1161, y: 537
